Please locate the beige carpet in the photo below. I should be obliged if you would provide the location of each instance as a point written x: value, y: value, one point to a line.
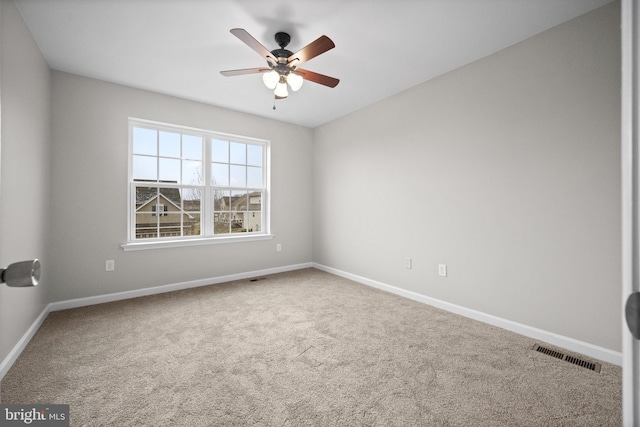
x: 303, y: 348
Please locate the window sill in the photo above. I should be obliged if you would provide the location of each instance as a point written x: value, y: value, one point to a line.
x: 142, y: 246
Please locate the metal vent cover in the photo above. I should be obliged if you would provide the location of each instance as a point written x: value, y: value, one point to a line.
x: 596, y: 367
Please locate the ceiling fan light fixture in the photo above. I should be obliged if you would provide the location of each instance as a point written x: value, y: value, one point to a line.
x: 281, y: 88
x: 271, y: 79
x: 295, y: 81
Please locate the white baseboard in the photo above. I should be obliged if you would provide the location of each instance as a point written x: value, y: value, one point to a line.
x: 15, y: 352
x: 594, y: 351
x: 118, y: 296
x: 17, y: 349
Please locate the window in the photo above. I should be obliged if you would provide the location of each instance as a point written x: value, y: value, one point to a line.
x: 192, y: 185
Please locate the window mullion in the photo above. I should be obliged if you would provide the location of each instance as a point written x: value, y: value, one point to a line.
x: 206, y: 210
x: 132, y: 211
x: 158, y: 157
x: 157, y: 217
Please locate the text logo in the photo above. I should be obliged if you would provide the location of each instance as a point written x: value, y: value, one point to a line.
x: 34, y: 415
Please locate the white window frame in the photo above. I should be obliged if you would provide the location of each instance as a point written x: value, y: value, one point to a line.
x: 206, y: 220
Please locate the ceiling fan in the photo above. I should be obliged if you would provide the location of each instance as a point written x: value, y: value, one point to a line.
x: 283, y: 65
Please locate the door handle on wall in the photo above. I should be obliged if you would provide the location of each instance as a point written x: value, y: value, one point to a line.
x: 21, y: 274
x: 632, y: 313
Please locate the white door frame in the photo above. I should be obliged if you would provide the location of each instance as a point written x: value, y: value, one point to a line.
x: 630, y: 204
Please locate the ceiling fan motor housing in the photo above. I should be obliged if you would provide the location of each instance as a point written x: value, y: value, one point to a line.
x: 282, y: 54
x: 282, y: 39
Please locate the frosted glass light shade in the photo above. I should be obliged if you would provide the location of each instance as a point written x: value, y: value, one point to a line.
x: 271, y: 79
x: 295, y: 81
x: 281, y: 90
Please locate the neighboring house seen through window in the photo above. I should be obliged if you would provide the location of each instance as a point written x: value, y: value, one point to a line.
x: 195, y: 184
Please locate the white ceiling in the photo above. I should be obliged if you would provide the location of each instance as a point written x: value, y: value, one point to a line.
x: 179, y: 47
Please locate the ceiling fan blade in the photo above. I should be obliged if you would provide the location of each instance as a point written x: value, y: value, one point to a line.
x: 318, y: 78
x: 254, y: 44
x: 230, y: 73
x: 313, y: 49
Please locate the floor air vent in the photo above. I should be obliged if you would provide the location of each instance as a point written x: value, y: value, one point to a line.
x: 576, y: 361
x: 255, y: 279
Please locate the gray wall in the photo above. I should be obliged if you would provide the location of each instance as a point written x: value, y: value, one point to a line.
x: 507, y: 170
x: 89, y: 196
x: 24, y: 171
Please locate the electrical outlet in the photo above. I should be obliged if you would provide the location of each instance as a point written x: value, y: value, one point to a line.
x: 407, y: 263
x: 279, y: 247
x: 110, y: 265
x: 442, y: 270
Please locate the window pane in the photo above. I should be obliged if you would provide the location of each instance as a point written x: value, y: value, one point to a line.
x: 191, y: 199
x: 145, y: 141
x: 170, y: 144
x: 238, y: 222
x: 191, y: 172
x: 221, y: 223
x: 238, y: 153
x: 238, y: 200
x: 254, y: 155
x: 144, y: 228
x: 238, y: 212
x: 220, y: 151
x: 220, y: 174
x: 191, y: 147
x: 169, y: 170
x: 192, y: 205
x: 254, y: 222
x: 171, y: 198
x: 191, y: 226
x: 145, y: 168
x: 255, y: 201
x: 238, y: 176
x: 221, y: 200
x: 170, y: 225
x: 146, y: 219
x: 192, y: 209
x: 144, y: 195
x: 254, y: 177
